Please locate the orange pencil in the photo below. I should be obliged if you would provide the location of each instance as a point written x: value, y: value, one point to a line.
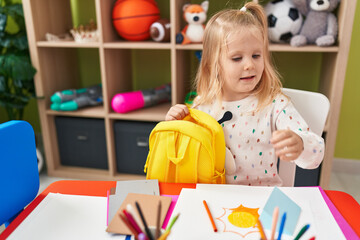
x: 210, y: 216
x: 260, y: 227
x: 127, y: 223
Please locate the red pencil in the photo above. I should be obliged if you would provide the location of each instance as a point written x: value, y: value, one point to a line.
x: 131, y: 220
x: 123, y: 218
x: 210, y: 216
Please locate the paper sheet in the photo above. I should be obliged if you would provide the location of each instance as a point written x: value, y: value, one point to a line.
x: 193, y: 222
x: 61, y: 216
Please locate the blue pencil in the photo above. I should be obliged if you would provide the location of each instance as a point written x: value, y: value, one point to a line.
x: 282, y: 224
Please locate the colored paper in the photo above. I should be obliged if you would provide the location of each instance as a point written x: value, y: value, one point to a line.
x: 148, y: 205
x: 122, y: 189
x: 285, y: 204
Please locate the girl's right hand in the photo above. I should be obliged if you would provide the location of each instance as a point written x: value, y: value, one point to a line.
x: 177, y: 112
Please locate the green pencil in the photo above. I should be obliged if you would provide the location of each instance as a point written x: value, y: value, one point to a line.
x: 172, y: 222
x: 302, y: 231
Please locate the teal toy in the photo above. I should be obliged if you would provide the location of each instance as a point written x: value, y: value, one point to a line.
x: 73, y: 99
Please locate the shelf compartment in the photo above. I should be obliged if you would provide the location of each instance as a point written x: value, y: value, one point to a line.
x: 108, y: 31
x: 67, y: 44
x: 91, y: 112
x: 273, y: 47
x: 137, y: 45
x: 152, y: 114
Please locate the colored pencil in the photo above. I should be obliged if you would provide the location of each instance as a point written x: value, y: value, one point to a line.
x: 210, y: 216
x: 274, y: 222
x: 173, y: 220
x: 165, y: 235
x: 147, y: 231
x: 302, y: 231
x: 132, y: 221
x: 261, y: 229
x: 157, y: 232
x: 127, y: 223
x: 131, y: 210
x: 282, y: 224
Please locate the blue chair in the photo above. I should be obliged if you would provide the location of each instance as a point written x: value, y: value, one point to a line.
x: 19, y: 176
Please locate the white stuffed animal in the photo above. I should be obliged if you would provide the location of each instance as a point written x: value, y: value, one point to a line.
x: 195, y: 16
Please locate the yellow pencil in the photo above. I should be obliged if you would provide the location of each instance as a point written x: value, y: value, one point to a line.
x: 260, y: 227
x: 164, y: 236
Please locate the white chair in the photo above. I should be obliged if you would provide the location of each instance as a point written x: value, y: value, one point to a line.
x: 314, y: 108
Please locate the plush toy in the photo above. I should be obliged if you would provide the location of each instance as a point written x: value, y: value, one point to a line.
x: 320, y: 26
x: 195, y: 16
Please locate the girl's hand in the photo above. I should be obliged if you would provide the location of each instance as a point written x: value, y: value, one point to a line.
x: 288, y: 145
x: 177, y: 112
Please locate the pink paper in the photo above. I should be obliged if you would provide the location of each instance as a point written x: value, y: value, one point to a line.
x: 171, y: 208
x: 107, y: 207
x: 344, y: 226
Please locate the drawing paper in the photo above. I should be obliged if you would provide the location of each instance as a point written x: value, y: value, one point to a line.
x: 230, y: 202
x: 61, y: 216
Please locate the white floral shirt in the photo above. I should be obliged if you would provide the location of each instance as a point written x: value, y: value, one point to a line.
x: 248, y: 134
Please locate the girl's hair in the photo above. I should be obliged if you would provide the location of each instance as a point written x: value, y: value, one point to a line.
x: 209, y: 80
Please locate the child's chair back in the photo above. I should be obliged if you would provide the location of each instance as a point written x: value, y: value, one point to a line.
x: 19, y: 174
x: 314, y: 108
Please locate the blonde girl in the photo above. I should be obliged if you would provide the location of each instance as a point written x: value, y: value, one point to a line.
x: 236, y: 77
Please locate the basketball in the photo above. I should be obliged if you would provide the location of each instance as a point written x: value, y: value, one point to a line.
x: 132, y: 18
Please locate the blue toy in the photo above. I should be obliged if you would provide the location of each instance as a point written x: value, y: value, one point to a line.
x: 73, y: 99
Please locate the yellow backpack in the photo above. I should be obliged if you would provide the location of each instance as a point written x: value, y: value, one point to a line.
x: 191, y: 150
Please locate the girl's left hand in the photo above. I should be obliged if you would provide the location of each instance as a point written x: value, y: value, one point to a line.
x: 288, y: 145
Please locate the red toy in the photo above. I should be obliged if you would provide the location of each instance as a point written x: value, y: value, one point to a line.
x: 132, y: 18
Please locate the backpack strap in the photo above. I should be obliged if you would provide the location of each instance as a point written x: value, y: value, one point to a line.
x: 171, y: 142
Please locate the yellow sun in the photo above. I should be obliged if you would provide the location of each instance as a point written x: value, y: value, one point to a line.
x: 243, y: 217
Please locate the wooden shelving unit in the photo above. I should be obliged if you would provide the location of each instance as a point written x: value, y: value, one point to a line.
x: 57, y: 69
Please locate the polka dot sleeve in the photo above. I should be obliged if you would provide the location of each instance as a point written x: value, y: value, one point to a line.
x: 287, y: 117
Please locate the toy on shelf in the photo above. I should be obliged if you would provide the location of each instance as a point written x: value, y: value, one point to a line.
x: 320, y: 26
x: 73, y: 99
x: 87, y: 33
x: 284, y: 20
x: 129, y: 101
x: 132, y: 18
x: 195, y: 16
x: 160, y: 30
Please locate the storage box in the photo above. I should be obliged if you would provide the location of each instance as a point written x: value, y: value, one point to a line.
x: 132, y: 145
x: 82, y: 142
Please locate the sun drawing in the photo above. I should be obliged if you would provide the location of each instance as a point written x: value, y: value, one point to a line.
x: 241, y: 220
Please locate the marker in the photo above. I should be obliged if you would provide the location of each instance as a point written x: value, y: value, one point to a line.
x: 210, y: 216
x: 302, y: 231
x: 282, y: 224
x: 274, y: 222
